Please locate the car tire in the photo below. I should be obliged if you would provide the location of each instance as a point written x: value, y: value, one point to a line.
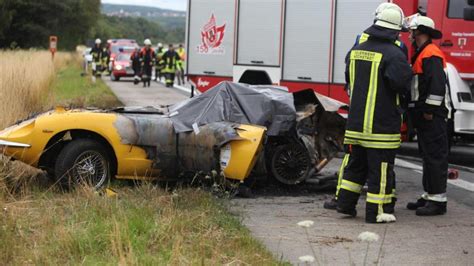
x: 83, y: 162
x: 290, y: 164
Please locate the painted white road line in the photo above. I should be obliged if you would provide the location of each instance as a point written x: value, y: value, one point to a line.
x: 462, y: 184
x: 408, y: 165
x: 182, y: 88
x: 417, y: 168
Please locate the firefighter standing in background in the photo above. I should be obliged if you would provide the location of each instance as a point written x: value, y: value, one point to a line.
x: 378, y: 73
x: 135, y: 58
x: 171, y: 60
x: 159, y: 65
x: 147, y: 59
x: 105, y: 59
x: 181, y: 64
x: 96, y: 53
x: 361, y: 38
x: 429, y: 112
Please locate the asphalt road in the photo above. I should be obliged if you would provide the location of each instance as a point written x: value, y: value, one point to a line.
x: 136, y: 95
x: 412, y: 240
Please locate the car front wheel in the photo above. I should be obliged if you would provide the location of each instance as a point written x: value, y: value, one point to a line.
x: 83, y: 161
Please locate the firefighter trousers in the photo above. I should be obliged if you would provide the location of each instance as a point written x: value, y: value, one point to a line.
x: 345, y: 160
x: 169, y: 76
x: 374, y: 166
x: 433, y: 148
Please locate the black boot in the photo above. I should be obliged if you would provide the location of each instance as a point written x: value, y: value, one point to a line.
x: 421, y: 202
x: 351, y: 212
x: 330, y: 204
x: 432, y: 208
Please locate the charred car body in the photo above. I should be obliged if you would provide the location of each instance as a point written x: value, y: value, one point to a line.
x: 233, y: 131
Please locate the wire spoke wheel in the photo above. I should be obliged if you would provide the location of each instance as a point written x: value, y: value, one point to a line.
x: 90, y: 168
x: 291, y: 164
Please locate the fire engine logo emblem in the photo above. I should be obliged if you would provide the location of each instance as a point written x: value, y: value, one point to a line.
x: 212, y: 37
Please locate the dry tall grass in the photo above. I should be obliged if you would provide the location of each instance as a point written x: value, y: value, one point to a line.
x: 25, y: 88
x: 25, y: 80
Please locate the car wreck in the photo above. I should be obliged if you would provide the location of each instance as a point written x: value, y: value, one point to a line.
x: 233, y: 132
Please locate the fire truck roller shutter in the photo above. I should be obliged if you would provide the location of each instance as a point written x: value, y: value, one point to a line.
x: 351, y: 19
x: 307, y: 40
x: 259, y: 32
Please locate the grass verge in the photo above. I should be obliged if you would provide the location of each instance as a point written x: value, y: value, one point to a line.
x: 141, y: 226
x: 72, y: 89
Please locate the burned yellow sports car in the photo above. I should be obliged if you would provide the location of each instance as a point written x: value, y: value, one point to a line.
x: 233, y: 131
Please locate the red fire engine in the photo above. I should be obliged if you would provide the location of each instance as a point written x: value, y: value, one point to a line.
x: 302, y: 44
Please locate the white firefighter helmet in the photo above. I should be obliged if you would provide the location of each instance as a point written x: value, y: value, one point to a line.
x: 160, y: 44
x: 147, y: 42
x: 98, y: 41
x: 384, y: 6
x: 390, y: 16
x: 425, y: 25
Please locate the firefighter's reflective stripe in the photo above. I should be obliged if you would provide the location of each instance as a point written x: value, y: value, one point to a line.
x: 351, y: 186
x: 372, y: 144
x: 373, y: 136
x: 341, y: 172
x: 437, y: 197
x: 351, y: 77
x: 363, y: 37
x: 381, y: 198
x: 415, y: 93
x: 434, y: 99
x: 372, y: 94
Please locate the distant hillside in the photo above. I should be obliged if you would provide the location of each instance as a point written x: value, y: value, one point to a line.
x: 165, y: 17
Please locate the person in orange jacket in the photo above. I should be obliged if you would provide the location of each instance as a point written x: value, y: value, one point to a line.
x: 429, y: 111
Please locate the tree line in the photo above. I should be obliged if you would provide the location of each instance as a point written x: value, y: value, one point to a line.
x: 29, y: 23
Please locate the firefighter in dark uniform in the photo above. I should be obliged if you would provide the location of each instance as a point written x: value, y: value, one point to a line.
x: 147, y: 58
x: 361, y: 38
x: 429, y: 112
x: 377, y: 73
x: 105, y: 60
x: 135, y: 58
x: 159, y: 64
x: 171, y: 61
x: 96, y: 53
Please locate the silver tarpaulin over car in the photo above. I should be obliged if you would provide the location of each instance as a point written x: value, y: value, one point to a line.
x: 267, y: 106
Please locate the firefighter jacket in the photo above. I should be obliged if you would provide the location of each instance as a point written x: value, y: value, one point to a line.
x: 428, y: 91
x: 159, y: 57
x: 105, y: 56
x: 404, y: 98
x: 171, y: 61
x: 135, y: 58
x: 377, y: 73
x: 96, y: 53
x: 147, y: 56
x: 182, y: 53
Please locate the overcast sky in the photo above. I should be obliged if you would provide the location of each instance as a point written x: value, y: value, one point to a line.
x: 167, y: 4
